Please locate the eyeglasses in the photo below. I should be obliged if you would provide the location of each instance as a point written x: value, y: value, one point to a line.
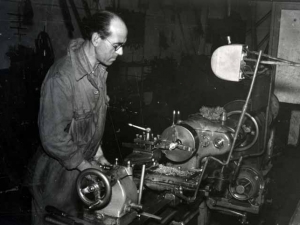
x: 116, y: 47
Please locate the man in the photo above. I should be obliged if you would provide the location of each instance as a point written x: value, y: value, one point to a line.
x: 72, y: 115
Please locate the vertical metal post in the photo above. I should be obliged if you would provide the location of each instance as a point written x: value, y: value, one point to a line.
x: 141, y: 184
x: 244, y: 109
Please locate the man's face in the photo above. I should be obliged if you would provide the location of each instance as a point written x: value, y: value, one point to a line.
x: 111, y: 47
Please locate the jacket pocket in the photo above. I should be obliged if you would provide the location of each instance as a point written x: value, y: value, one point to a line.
x: 82, y: 127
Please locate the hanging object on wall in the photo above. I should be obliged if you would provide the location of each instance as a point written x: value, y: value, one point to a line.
x: 44, y: 55
x: 44, y: 48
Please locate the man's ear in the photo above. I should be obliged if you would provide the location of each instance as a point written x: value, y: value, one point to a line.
x: 96, y: 39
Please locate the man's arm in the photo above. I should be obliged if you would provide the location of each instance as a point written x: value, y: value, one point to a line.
x: 55, y: 115
x: 98, y: 158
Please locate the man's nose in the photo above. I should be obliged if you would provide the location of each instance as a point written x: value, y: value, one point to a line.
x: 120, y: 51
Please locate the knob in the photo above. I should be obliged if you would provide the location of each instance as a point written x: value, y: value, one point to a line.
x: 219, y: 143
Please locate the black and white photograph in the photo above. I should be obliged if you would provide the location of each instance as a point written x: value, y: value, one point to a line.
x: 149, y: 112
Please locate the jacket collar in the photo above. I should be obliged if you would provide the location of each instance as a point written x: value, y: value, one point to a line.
x: 80, y: 60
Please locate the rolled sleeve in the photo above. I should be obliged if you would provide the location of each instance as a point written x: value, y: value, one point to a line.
x: 55, y: 115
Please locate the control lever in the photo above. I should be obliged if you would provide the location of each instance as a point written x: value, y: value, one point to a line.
x: 150, y: 215
x: 148, y: 130
x: 95, y: 204
x: 139, y: 208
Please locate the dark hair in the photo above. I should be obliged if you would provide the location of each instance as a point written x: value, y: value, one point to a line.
x: 100, y: 23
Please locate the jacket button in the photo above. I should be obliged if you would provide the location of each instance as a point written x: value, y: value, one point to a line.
x: 96, y: 92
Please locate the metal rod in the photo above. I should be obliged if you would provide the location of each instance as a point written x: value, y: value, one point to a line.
x: 174, y: 113
x: 236, y: 213
x: 200, y: 179
x: 167, y: 218
x: 141, y: 184
x: 245, y: 107
x: 280, y: 63
x: 178, y: 117
x: 237, y: 169
x: 190, y: 216
x: 271, y: 57
x: 265, y: 142
x: 150, y: 215
x: 141, y: 128
x: 267, y: 112
x: 242, y: 114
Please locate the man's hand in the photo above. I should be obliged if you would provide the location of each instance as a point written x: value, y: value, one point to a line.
x: 102, y: 160
x: 96, y: 164
x: 99, y: 157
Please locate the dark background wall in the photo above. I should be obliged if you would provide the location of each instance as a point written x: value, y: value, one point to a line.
x: 158, y: 28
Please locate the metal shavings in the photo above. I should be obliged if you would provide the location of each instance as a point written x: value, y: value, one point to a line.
x: 211, y: 113
x: 172, y: 171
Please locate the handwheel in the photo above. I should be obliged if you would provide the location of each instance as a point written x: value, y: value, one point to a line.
x: 93, y: 188
x: 250, y: 128
x: 247, y: 185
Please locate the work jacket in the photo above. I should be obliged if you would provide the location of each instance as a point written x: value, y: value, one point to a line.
x: 71, y: 124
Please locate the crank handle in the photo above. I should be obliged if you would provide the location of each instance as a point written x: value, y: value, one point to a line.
x: 95, y: 204
x: 148, y: 130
